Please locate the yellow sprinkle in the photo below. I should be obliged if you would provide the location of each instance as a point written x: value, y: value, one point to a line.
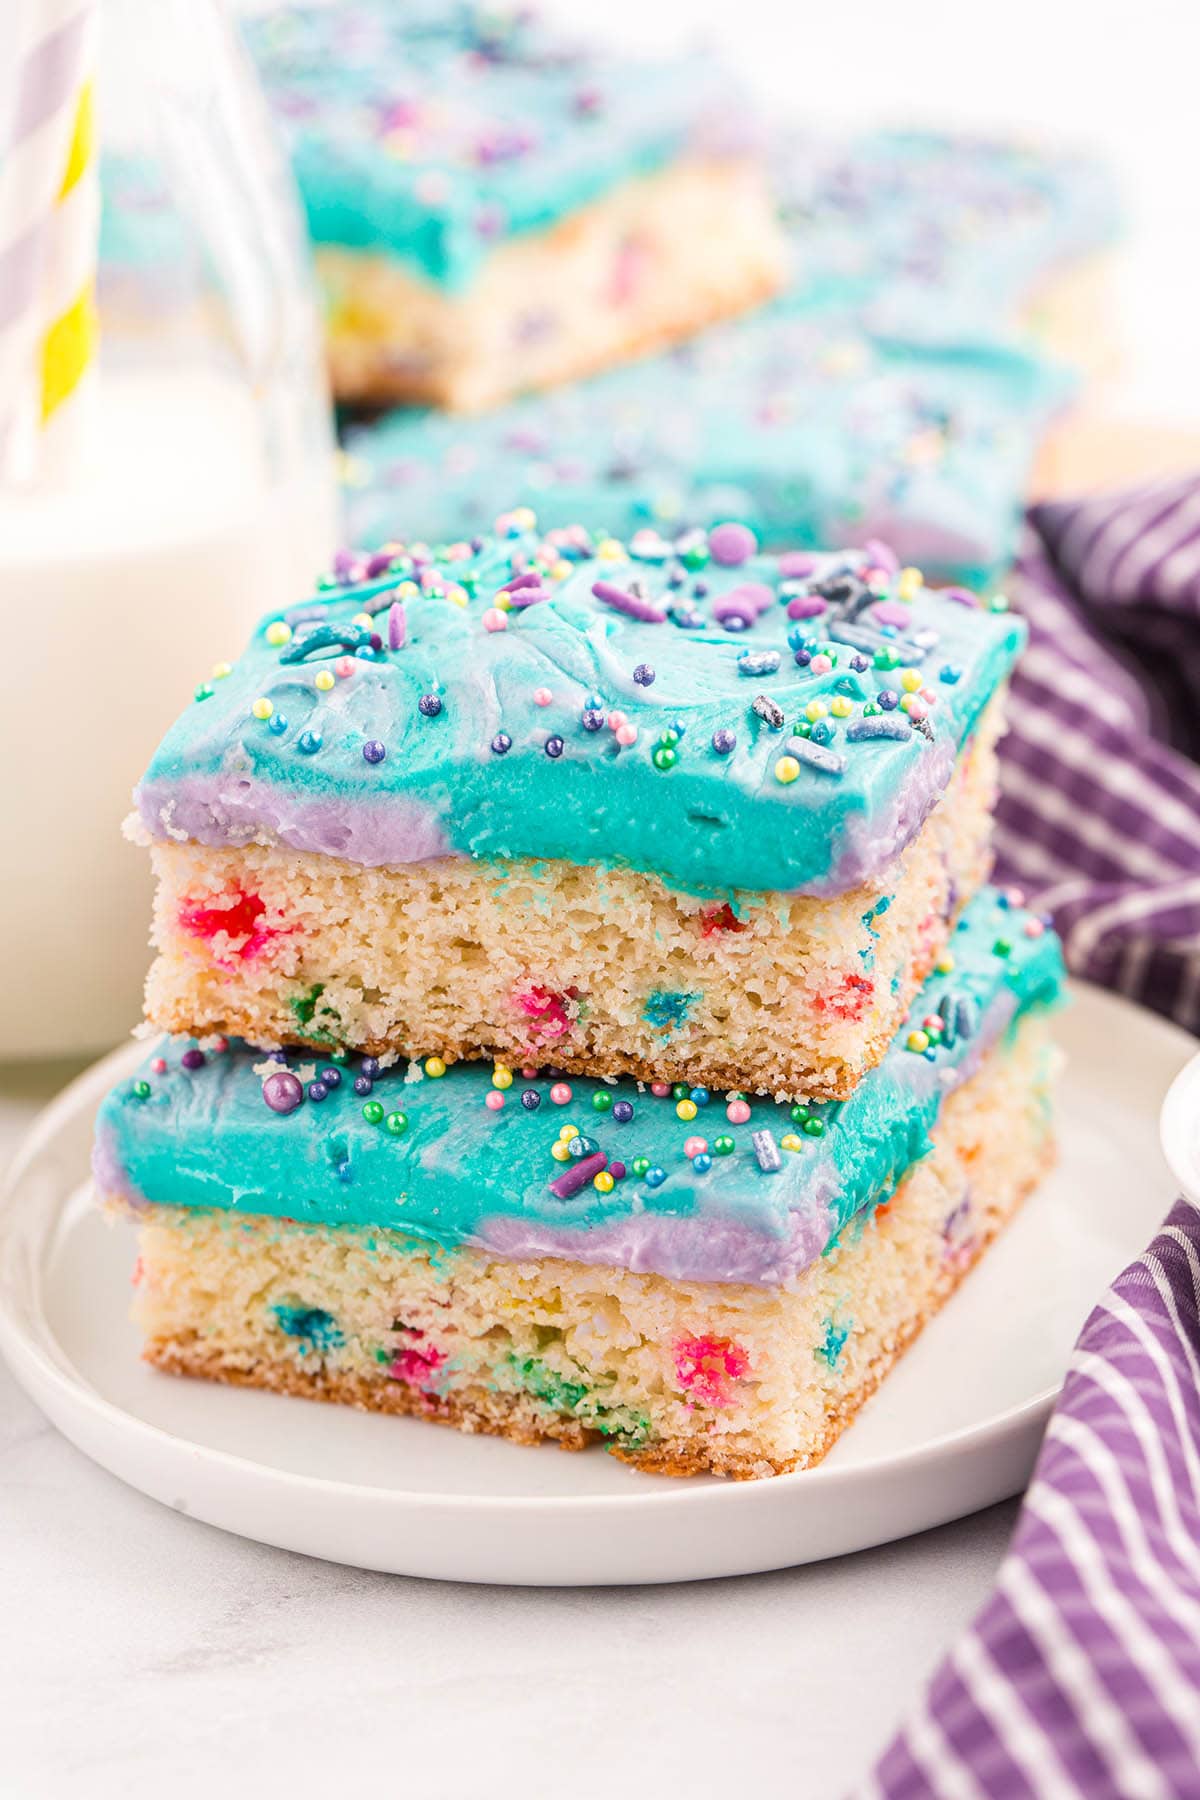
x: 945, y: 963
x: 560, y: 571
x: 568, y: 1131
x: 917, y: 1040
x: 786, y: 769
x: 279, y: 633
x: 221, y: 670
x: 502, y: 1077
x: 407, y: 590
x: 816, y: 709
x: 610, y: 550
x: 686, y: 1109
x: 603, y: 1182
x: 789, y: 1141
x: 262, y: 708
x: 434, y: 1066
x: 559, y: 1151
x: 502, y: 601
x: 524, y: 518
x: 457, y: 596
x: 907, y: 701
x: 323, y: 679
x: 841, y: 706
x: 908, y: 584
x: 363, y: 619
x: 910, y: 680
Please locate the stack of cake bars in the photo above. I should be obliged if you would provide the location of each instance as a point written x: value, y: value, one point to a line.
x: 587, y: 1018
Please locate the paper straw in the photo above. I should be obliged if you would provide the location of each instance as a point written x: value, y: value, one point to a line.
x: 49, y: 226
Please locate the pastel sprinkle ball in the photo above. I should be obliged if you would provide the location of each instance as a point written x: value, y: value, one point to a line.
x: 542, y: 696
x: 603, y: 1182
x: 494, y: 620
x: 494, y: 1100
x: 502, y: 1077
x: 737, y: 1112
x: 323, y: 679
x: 731, y: 545
x: 560, y: 1093
x: 282, y: 1091
x: 687, y: 1109
x: 373, y: 1112
x: 396, y: 1123
x: 279, y: 633
x: 141, y: 1090
x: 786, y: 769
x: 374, y: 751
x: 660, y: 1089
x: 262, y: 708
x: 435, y: 1067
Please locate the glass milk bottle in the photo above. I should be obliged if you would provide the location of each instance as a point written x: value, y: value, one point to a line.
x: 162, y: 483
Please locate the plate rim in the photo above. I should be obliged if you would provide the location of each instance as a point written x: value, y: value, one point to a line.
x: 24, y: 1353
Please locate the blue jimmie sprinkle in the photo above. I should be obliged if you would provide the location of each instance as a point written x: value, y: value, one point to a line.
x: 317, y: 1329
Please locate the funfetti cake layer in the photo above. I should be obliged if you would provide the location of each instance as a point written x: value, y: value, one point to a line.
x: 705, y: 1285
x: 670, y: 806
x: 496, y: 208
x: 807, y: 428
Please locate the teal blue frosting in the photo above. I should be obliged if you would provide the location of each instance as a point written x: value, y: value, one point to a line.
x: 807, y: 427
x: 427, y: 132
x: 940, y: 235
x: 508, y: 743
x: 451, y: 1171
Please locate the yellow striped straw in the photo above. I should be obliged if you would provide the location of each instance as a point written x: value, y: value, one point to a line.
x: 69, y: 344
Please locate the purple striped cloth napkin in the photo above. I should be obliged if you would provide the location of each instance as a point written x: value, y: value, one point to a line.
x: 1099, y: 815
x: 1081, y: 1674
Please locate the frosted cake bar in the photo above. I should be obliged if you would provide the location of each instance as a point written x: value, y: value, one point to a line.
x: 495, y: 208
x: 703, y: 1283
x: 670, y: 807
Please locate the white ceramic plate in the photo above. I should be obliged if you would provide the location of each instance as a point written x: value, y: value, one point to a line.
x: 954, y: 1428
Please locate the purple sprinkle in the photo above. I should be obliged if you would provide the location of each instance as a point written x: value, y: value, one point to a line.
x: 794, y: 565
x: 643, y: 675
x: 531, y: 1099
x: 890, y: 727
x: 961, y: 596
x: 370, y: 1066
x: 528, y: 596
x: 374, y: 751
x: 378, y: 564
x: 193, y: 1059
x: 859, y: 663
x: 397, y: 626
x: 501, y: 743
x: 888, y: 698
x: 617, y: 1171
x: 526, y: 578
x: 881, y: 556
x: 363, y: 1085
x: 806, y: 606
x: 731, y: 545
x: 578, y: 1175
x: 554, y: 747
x: 890, y: 612
x: 622, y: 1112
x: 283, y: 1092
x: 624, y: 602
x: 430, y: 705
x: 317, y: 1091
x: 723, y: 740
x: 590, y: 719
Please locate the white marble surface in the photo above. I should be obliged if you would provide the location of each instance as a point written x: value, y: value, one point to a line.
x: 145, y: 1654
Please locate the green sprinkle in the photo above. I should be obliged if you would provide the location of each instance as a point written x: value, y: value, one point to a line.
x: 723, y: 1145
x: 669, y: 738
x: 142, y: 1089
x: 664, y: 758
x: 601, y: 1100
x: 800, y: 1114
x: 681, y: 1091
x: 1002, y: 947
x: 373, y: 1112
x: 887, y: 658
x: 639, y: 1165
x: 203, y: 692
x: 814, y: 1127
x: 396, y: 1122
